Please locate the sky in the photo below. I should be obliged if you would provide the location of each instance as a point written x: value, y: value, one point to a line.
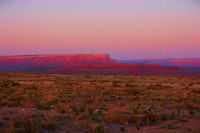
x: 124, y: 29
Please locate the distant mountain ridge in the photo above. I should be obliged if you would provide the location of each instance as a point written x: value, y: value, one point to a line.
x: 89, y: 64
x: 165, y: 62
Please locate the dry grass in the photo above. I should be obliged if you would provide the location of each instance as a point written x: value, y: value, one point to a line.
x: 96, y: 103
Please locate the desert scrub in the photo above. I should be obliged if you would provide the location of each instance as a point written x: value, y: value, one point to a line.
x: 75, y: 110
x: 82, y: 109
x: 99, y: 102
x: 62, y: 107
x: 138, y: 127
x: 122, y: 129
x: 191, y: 112
x: 115, y: 84
x: 17, y: 124
x: 40, y: 107
x: 170, y: 126
x: 16, y: 84
x: 63, y: 111
x: 135, y: 91
x: 113, y: 116
x: 164, y: 116
x: 1, y: 124
x: 100, y: 129
x: 5, y: 84
x: 32, y: 124
x: 172, y: 115
x: 104, y: 108
x: 191, y: 84
x: 152, y: 117
x: 181, y: 119
x: 9, y: 105
x: 51, y: 126
x: 133, y: 119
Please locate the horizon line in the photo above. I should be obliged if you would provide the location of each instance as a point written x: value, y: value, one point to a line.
x: 97, y: 54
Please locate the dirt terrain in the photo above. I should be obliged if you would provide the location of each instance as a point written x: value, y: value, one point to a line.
x: 31, y: 103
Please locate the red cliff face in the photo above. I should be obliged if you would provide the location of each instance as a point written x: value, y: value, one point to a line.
x: 166, y: 62
x: 84, y: 64
x: 74, y: 60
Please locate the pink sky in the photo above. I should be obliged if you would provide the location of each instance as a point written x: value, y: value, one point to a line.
x: 125, y: 29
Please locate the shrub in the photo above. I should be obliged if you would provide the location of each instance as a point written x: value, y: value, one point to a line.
x: 172, y: 115
x: 145, y: 111
x: 122, y: 129
x: 183, y: 120
x: 171, y: 126
x: 51, y: 126
x: 32, y: 124
x: 82, y: 109
x: 100, y: 129
x: 104, y: 108
x: 164, y: 116
x: 1, y: 124
x: 151, y: 117
x: 40, y: 107
x: 134, y: 119
x: 138, y: 127
x: 5, y: 84
x: 135, y: 91
x: 191, y: 112
x: 135, y: 110
x: 63, y: 111
x: 115, y: 84
x: 191, y: 84
x: 90, y: 111
x: 9, y: 105
x: 17, y: 125
x: 75, y: 110
x: 16, y: 84
x: 17, y: 131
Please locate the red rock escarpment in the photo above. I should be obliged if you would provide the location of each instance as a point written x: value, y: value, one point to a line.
x: 84, y: 64
x: 74, y: 60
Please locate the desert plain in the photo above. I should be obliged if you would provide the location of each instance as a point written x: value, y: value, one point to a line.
x: 31, y: 103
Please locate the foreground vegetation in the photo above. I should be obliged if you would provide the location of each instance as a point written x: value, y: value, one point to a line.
x: 98, y: 103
